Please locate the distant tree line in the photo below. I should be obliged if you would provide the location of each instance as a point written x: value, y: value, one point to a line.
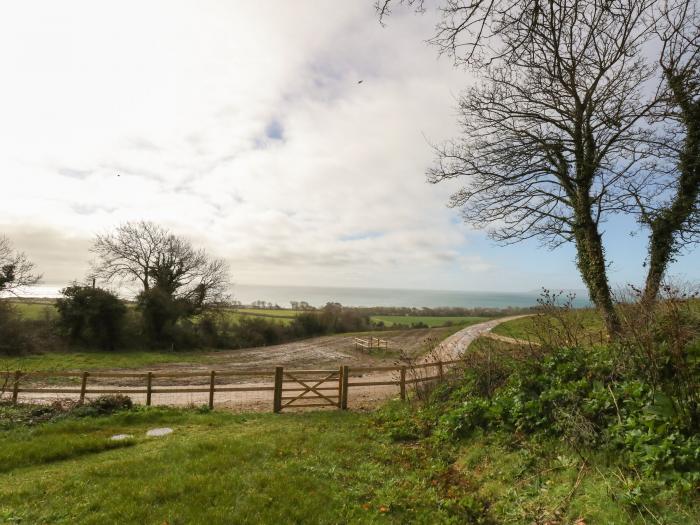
x: 181, y: 302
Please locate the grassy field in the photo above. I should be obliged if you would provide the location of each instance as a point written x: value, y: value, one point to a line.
x: 101, y: 359
x: 215, y: 468
x: 270, y: 313
x: 36, y: 309
x: 319, y: 467
x: 526, y: 327
x: 431, y: 321
x: 43, y: 309
x: 284, y: 317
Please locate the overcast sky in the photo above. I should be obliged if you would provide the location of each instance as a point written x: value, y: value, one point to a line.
x: 242, y: 126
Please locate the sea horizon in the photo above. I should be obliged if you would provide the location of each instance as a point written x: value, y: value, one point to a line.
x: 317, y: 296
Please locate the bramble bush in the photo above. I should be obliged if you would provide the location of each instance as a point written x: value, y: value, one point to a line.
x: 634, y: 399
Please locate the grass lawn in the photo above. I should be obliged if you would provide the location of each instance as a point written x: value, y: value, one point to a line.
x: 323, y: 467
x: 317, y: 467
x: 431, y: 321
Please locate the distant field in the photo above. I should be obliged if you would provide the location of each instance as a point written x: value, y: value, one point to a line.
x: 431, y: 321
x: 284, y: 317
x: 40, y: 309
x: 269, y: 313
x: 526, y: 328
x: 35, y: 310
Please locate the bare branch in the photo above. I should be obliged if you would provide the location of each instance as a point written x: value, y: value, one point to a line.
x: 16, y: 270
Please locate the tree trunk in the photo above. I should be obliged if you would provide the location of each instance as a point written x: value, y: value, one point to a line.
x: 661, y: 245
x: 669, y: 222
x: 591, y: 264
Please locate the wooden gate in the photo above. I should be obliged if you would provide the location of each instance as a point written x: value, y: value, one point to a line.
x: 309, y: 388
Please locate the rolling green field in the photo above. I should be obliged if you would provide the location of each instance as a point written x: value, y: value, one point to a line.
x: 314, y: 467
x: 431, y: 321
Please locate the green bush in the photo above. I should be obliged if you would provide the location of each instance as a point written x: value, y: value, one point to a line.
x: 104, y: 405
x: 160, y: 313
x: 633, y: 400
x: 14, y: 335
x: 91, y: 315
x: 257, y: 331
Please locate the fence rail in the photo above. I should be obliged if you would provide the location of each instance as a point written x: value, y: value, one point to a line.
x: 281, y: 380
x: 371, y: 342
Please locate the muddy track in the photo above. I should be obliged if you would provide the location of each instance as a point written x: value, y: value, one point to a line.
x: 323, y: 352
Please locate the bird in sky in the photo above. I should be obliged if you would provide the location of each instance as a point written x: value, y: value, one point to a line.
x: 360, y: 82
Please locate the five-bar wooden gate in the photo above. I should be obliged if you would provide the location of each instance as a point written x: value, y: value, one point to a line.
x: 310, y: 388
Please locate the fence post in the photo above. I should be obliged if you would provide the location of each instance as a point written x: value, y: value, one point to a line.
x: 403, y: 383
x: 83, y: 387
x: 279, y: 379
x: 344, y: 387
x: 212, y: 382
x: 15, y: 387
x: 440, y: 371
x: 149, y: 384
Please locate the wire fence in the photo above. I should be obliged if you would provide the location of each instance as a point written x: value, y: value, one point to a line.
x: 277, y: 389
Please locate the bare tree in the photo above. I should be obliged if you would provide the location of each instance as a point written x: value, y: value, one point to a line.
x: 551, y: 135
x: 674, y: 219
x: 555, y: 139
x: 16, y: 270
x: 153, y: 256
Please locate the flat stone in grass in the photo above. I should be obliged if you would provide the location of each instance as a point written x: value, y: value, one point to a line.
x: 157, y: 432
x: 119, y: 437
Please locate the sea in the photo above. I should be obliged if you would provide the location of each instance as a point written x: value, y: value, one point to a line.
x: 367, y: 297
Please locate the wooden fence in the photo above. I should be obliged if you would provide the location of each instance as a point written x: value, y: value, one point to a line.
x: 320, y: 387
x: 371, y: 342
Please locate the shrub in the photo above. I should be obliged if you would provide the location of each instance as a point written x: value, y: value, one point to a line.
x: 110, y: 403
x: 14, y: 336
x: 160, y: 314
x: 91, y: 315
x: 257, y: 331
x: 307, y: 324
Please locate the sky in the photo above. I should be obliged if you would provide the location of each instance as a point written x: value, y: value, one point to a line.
x: 243, y: 126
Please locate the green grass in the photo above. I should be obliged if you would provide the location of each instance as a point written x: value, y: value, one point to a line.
x: 545, y: 482
x: 322, y: 467
x: 526, y: 327
x: 317, y: 467
x: 269, y: 313
x: 431, y: 321
x: 43, y: 309
x: 35, y: 310
x: 100, y: 359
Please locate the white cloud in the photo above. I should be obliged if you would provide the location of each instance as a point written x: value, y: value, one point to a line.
x: 241, y: 125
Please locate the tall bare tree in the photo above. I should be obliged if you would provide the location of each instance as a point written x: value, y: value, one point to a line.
x: 564, y: 128
x: 673, y: 219
x: 16, y: 270
x: 553, y: 130
x: 153, y: 256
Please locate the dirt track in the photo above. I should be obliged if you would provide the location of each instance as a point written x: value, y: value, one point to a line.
x: 318, y: 353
